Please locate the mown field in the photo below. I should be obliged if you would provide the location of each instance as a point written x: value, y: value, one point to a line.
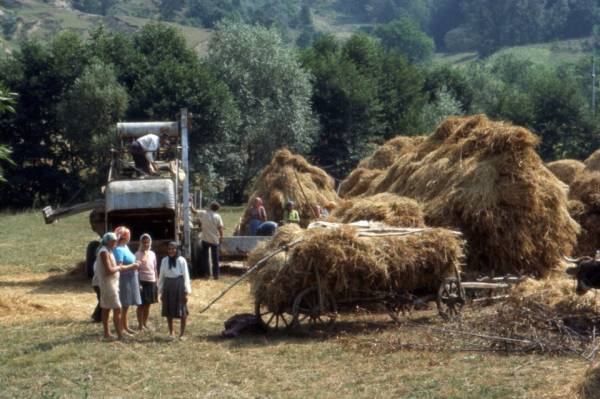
x: 51, y: 349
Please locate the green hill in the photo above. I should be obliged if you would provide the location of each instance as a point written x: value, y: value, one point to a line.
x: 38, y: 19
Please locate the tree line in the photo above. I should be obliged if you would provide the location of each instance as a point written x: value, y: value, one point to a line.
x: 334, y: 102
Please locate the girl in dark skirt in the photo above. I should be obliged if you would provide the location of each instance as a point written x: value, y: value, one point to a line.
x: 148, y: 272
x: 174, y: 287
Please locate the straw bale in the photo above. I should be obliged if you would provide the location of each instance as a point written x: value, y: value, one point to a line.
x: 566, y: 169
x: 290, y: 177
x: 486, y: 179
x: 589, y: 386
x: 592, y: 163
x: 349, y: 265
x: 385, y: 207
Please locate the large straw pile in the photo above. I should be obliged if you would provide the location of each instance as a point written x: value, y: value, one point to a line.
x: 566, y: 169
x: 359, y: 181
x: 486, y: 179
x: 385, y: 207
x: 584, y: 207
x: 592, y: 162
x: 291, y: 177
x: 350, y: 266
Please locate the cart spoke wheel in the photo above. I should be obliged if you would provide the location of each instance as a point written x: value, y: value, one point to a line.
x: 313, y: 311
x: 271, y: 320
x: 451, y: 299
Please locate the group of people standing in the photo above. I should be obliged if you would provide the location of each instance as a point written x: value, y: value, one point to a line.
x: 123, y: 279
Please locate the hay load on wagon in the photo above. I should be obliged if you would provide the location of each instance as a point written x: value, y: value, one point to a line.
x: 290, y: 177
x: 387, y: 208
x: 351, y: 266
x: 360, y: 179
x: 486, y: 179
x: 566, y: 169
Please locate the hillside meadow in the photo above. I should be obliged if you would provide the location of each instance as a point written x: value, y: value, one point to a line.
x: 51, y: 349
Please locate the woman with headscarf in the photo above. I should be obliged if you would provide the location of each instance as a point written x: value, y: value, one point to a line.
x: 258, y: 215
x: 174, y: 287
x: 106, y: 272
x: 147, y: 272
x: 129, y: 285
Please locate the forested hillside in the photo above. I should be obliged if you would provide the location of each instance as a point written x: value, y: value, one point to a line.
x: 328, y: 79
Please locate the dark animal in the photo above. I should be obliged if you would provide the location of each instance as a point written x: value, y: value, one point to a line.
x: 239, y: 323
x: 587, y: 273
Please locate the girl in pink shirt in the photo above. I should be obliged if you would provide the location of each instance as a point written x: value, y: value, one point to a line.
x: 148, y: 273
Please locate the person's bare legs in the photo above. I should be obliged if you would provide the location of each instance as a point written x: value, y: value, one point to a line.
x: 140, y: 317
x: 170, y: 324
x: 125, y: 321
x: 105, y: 315
x: 182, y: 326
x: 145, y: 315
x: 118, y: 322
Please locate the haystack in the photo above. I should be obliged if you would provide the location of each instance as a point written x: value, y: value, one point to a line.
x: 589, y: 386
x: 350, y: 266
x: 291, y: 177
x: 566, y: 169
x: 385, y: 207
x: 584, y: 207
x: 592, y: 163
x: 486, y: 179
x: 359, y: 181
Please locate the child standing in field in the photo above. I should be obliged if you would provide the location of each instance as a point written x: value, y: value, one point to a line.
x: 148, y: 273
x: 174, y: 287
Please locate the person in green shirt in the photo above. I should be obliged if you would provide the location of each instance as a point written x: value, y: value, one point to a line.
x: 290, y: 215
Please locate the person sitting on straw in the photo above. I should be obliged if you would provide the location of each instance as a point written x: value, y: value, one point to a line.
x: 173, y: 288
x: 258, y: 215
x: 290, y: 215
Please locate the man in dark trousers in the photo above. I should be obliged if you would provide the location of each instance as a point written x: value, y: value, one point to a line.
x: 211, y: 236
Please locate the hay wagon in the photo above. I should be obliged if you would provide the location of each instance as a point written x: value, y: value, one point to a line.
x: 314, y: 307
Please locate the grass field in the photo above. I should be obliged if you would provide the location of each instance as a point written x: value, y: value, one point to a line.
x: 51, y: 349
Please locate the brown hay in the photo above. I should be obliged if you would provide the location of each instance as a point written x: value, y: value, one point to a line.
x: 350, y: 266
x: 584, y: 207
x: 291, y: 177
x: 385, y: 207
x: 486, y: 179
x: 285, y: 234
x: 12, y: 304
x: 592, y: 163
x: 566, y: 169
x: 359, y: 181
x: 589, y: 386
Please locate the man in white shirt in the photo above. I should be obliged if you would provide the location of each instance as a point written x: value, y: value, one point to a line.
x: 211, y: 236
x: 143, y: 149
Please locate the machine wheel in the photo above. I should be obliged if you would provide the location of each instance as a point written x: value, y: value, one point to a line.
x: 314, y: 309
x: 90, y: 258
x: 270, y: 320
x: 450, y: 299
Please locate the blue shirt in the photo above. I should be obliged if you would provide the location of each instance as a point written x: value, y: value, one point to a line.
x: 124, y: 256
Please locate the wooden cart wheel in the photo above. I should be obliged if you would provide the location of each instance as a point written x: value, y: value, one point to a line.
x: 270, y: 320
x: 450, y: 299
x: 314, y: 310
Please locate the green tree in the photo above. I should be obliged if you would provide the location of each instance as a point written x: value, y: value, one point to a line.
x: 7, y: 99
x: 404, y: 35
x: 271, y: 91
x: 88, y: 112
